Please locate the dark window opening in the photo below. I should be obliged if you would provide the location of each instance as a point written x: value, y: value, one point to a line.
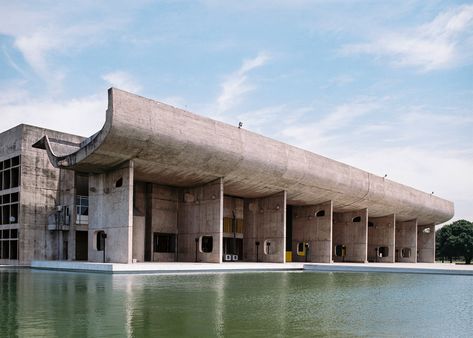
x: 100, y: 240
x: 82, y: 185
x: 15, y: 177
x: 119, y: 183
x: 6, y: 214
x: 164, y: 242
x: 320, y: 213
x: 14, y: 249
x: 6, y: 180
x: 383, y: 251
x: 5, y: 249
x: 370, y: 224
x: 14, y: 197
x: 406, y: 252
x: 340, y: 250
x: 15, y: 161
x: 356, y: 219
x: 14, y: 213
x: 206, y: 244
x: 14, y: 233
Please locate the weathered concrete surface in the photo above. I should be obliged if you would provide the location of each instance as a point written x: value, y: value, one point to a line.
x: 316, y: 230
x: 170, y: 268
x: 426, y: 243
x: 174, y: 147
x: 40, y: 192
x: 200, y: 214
x: 164, y: 204
x: 406, y: 238
x: 354, y: 235
x: 111, y: 211
x: 381, y: 234
x: 265, y: 222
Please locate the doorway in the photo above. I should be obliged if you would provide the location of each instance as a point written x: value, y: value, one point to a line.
x: 82, y: 245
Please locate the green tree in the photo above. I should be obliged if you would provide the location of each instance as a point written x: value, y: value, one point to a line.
x: 455, y: 240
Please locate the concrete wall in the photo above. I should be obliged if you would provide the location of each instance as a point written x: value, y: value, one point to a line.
x: 265, y: 220
x: 426, y: 243
x: 354, y: 235
x: 164, y: 206
x: 406, y: 237
x: 42, y: 188
x: 111, y: 210
x: 381, y: 234
x: 307, y: 227
x: 200, y: 214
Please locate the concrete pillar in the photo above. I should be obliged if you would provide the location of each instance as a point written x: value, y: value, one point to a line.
x: 381, y: 233
x: 426, y: 243
x: 200, y: 221
x: 265, y: 223
x: 111, y: 211
x: 313, y: 225
x: 350, y: 229
x: 406, y: 241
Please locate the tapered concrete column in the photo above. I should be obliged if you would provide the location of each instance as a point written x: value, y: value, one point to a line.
x: 313, y: 225
x: 111, y: 211
x: 200, y: 222
x: 381, y: 234
x: 350, y: 231
x: 426, y: 243
x: 265, y: 224
x: 406, y: 241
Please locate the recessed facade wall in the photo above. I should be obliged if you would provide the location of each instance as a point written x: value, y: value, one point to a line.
x: 200, y: 223
x: 265, y: 229
x: 350, y: 236
x: 312, y: 233
x: 406, y: 241
x: 111, y: 213
x: 426, y: 243
x: 381, y: 239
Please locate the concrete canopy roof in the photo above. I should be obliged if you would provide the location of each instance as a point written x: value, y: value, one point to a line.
x: 174, y: 147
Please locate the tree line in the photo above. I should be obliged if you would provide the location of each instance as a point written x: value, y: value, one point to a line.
x: 455, y: 240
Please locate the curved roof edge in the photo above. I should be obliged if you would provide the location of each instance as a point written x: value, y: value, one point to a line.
x: 176, y: 147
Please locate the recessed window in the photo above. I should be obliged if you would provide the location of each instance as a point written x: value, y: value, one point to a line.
x: 406, y: 252
x: 267, y: 247
x: 356, y: 219
x: 383, y: 251
x: 370, y: 224
x: 119, y: 183
x: 206, y: 244
x: 9, y: 244
x: 320, y: 213
x: 340, y: 250
x: 100, y: 237
x: 164, y: 242
x: 301, y: 249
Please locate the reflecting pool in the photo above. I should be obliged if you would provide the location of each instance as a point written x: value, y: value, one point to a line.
x: 37, y: 303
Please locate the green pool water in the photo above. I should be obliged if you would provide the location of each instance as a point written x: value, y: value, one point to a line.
x: 35, y: 303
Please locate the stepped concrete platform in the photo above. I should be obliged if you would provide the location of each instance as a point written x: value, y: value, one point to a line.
x: 182, y: 267
x: 165, y: 267
x: 423, y: 268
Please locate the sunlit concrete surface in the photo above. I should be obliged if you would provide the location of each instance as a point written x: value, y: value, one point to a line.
x: 164, y: 267
x: 439, y: 268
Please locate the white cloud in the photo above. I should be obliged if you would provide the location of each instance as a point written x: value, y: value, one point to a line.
x: 237, y: 84
x: 82, y: 116
x: 320, y: 132
x: 442, y: 43
x: 122, y: 80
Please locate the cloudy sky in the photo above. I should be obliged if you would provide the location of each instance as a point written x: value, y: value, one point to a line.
x: 386, y: 86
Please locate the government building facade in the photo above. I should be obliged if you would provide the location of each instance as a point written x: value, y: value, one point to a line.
x: 160, y: 184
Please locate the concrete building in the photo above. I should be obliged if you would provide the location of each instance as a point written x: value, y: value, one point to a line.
x: 159, y: 184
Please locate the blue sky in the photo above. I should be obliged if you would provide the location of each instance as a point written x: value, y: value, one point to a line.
x: 386, y: 86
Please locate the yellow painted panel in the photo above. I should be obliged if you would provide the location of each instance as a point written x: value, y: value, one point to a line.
x: 288, y: 256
